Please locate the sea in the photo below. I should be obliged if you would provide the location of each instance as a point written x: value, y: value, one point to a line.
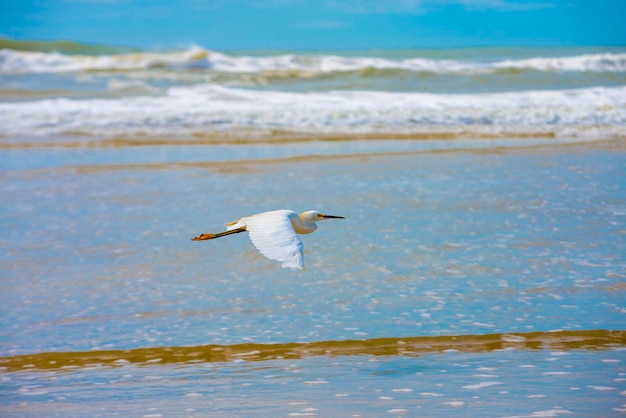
x: 480, y: 270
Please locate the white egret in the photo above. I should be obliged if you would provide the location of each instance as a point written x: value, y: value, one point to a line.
x: 274, y: 233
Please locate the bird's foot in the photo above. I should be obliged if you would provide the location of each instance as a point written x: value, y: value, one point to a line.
x: 203, y: 237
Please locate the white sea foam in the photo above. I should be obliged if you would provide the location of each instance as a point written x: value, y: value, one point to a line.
x: 482, y: 385
x: 547, y: 413
x: 41, y: 62
x: 588, y: 62
x: 218, y: 109
x: 12, y: 61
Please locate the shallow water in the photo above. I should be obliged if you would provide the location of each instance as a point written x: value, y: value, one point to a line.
x: 480, y: 269
x: 502, y: 246
x: 492, y: 383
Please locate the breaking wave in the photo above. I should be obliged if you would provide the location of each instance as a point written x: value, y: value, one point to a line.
x: 303, y: 65
x: 210, y: 109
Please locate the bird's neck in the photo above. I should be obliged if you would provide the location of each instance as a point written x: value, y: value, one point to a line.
x: 303, y: 227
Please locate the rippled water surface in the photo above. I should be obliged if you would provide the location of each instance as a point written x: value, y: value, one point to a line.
x: 479, y: 270
x: 474, y: 279
x: 501, y: 383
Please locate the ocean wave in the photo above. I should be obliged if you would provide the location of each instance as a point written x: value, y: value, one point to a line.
x: 63, y: 47
x: 214, y: 109
x: 43, y: 62
x: 583, y: 63
x: 304, y: 65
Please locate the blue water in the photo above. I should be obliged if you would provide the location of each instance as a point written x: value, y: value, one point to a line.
x: 94, y: 93
x: 480, y: 269
x: 99, y: 257
x: 506, y: 384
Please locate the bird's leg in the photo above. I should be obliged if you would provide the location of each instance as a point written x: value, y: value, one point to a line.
x: 209, y: 235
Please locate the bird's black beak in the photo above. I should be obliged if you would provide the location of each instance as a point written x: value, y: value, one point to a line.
x: 333, y: 217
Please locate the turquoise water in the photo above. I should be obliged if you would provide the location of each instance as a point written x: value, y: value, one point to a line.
x: 49, y: 91
x: 508, y: 383
x: 503, y: 242
x: 480, y: 269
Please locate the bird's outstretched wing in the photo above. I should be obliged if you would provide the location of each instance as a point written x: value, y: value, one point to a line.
x: 273, y: 235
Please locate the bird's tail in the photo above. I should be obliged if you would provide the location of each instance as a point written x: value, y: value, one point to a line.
x: 210, y: 235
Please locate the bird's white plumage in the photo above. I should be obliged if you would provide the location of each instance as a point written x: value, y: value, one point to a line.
x: 273, y: 234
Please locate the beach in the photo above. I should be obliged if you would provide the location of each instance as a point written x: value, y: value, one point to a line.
x: 480, y: 269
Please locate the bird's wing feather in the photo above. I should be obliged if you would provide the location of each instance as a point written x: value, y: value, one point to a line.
x: 273, y: 235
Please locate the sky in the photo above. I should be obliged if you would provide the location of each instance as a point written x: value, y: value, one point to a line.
x: 320, y: 24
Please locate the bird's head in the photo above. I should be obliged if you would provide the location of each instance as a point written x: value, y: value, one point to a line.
x: 314, y: 216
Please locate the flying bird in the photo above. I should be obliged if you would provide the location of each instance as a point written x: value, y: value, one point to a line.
x: 275, y: 233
